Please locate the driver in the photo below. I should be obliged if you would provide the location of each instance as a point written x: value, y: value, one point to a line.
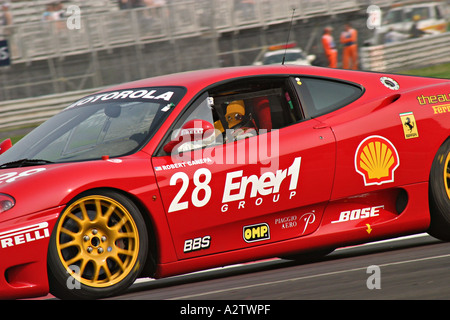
x: 242, y: 126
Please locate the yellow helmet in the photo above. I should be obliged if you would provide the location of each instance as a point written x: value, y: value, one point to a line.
x: 235, y: 112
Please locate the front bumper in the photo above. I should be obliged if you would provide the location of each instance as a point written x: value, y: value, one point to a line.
x: 23, y: 254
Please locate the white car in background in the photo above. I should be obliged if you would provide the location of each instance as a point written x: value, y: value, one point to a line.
x: 431, y: 18
x: 291, y: 53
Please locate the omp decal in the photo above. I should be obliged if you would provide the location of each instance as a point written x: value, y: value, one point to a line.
x: 256, y: 232
x: 357, y: 214
x: 13, y: 176
x: 24, y: 235
x: 409, y: 125
x: 376, y: 159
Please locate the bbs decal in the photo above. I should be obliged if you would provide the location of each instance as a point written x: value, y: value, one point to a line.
x: 197, y: 244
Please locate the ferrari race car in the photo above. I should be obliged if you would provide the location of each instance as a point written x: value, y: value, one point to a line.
x: 184, y: 172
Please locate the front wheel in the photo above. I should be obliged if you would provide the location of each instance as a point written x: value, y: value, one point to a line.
x: 439, y: 193
x: 98, y: 247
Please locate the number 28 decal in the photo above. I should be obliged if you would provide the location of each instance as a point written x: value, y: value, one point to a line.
x: 201, y: 179
x: 235, y: 186
x: 13, y: 176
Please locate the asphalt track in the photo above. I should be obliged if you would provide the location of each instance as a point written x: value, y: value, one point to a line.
x: 408, y: 268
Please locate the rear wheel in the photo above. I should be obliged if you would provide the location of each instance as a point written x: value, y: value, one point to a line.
x: 98, y: 247
x: 440, y: 193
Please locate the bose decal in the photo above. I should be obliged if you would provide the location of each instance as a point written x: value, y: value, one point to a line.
x: 358, y: 214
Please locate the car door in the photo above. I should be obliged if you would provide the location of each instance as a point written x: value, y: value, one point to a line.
x: 244, y: 167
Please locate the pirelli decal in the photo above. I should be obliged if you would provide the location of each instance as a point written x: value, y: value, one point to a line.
x: 24, y: 235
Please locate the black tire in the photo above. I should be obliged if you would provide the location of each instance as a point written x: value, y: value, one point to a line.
x: 94, y: 255
x: 439, y: 194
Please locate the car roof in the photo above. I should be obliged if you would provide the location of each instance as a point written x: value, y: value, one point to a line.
x: 205, y: 77
x: 197, y: 80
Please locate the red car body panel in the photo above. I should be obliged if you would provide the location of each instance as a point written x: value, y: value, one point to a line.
x: 316, y: 197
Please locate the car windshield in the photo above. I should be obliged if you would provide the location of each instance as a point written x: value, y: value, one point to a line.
x: 110, y: 124
x: 393, y: 16
x: 420, y: 12
x: 278, y: 58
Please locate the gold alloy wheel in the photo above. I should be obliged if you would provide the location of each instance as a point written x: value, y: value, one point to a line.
x: 97, y: 241
x: 447, y: 175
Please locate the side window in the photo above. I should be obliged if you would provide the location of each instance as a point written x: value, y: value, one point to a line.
x: 320, y: 96
x: 234, y: 111
x: 262, y: 104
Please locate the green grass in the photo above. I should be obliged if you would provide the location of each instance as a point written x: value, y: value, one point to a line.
x: 16, y: 138
x: 437, y: 71
x: 16, y: 133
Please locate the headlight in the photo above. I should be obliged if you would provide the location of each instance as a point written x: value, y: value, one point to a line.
x: 6, y: 202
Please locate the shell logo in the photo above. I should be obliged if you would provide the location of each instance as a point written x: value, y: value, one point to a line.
x: 376, y: 159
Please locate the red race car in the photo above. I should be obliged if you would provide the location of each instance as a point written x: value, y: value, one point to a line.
x: 190, y: 171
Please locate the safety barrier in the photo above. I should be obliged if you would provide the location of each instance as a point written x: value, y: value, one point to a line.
x: 44, y: 39
x: 32, y: 111
x: 412, y: 53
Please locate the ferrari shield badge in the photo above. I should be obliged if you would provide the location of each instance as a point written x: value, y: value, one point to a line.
x: 409, y: 125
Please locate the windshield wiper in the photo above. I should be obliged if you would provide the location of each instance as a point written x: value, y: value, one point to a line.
x: 24, y: 163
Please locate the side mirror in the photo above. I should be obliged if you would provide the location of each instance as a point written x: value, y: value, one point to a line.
x: 5, y: 145
x: 193, y: 130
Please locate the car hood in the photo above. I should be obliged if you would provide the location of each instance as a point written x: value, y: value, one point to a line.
x: 37, y: 188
